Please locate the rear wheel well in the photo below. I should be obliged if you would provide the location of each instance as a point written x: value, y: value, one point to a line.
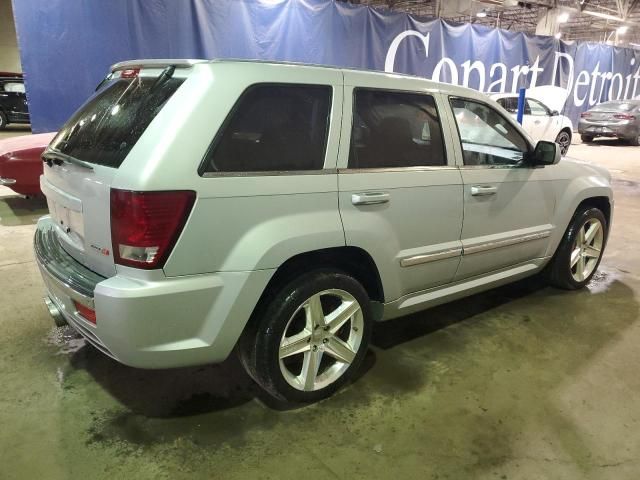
x: 601, y: 203
x: 351, y: 260
x: 568, y: 130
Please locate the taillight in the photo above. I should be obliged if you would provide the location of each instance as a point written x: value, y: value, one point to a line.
x: 86, y: 312
x: 145, y: 225
x: 585, y: 114
x: 624, y: 116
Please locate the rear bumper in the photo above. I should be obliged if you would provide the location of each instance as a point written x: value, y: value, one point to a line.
x: 145, y: 319
x: 606, y: 130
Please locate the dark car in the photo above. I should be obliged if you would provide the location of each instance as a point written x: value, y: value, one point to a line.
x: 620, y: 118
x: 13, y: 101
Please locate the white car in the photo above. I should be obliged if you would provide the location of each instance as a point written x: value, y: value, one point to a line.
x: 539, y: 121
x: 200, y: 206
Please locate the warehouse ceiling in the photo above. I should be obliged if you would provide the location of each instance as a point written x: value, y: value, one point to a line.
x: 587, y: 20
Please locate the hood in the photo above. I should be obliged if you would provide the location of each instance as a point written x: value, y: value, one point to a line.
x: 552, y: 96
x: 25, y: 142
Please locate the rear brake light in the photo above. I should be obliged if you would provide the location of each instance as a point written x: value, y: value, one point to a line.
x: 86, y: 312
x: 624, y: 116
x: 146, y: 225
x: 585, y: 114
x: 130, y: 73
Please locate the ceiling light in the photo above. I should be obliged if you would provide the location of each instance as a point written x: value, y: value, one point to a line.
x: 481, y: 14
x: 606, y: 16
x: 563, y: 17
x: 558, y: 35
x: 622, y: 30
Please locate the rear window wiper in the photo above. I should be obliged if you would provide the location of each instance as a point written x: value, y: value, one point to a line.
x: 51, y: 157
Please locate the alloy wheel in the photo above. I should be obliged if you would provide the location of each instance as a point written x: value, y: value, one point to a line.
x: 564, y: 140
x: 587, y: 249
x: 321, y: 340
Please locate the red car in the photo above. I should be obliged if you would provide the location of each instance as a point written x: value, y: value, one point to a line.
x: 20, y: 162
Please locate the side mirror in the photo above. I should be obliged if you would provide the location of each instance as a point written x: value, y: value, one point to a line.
x: 545, y: 153
x: 555, y: 113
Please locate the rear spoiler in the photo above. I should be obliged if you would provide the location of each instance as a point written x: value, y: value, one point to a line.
x: 155, y: 63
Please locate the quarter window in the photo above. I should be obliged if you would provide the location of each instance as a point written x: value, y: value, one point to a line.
x: 486, y: 137
x: 395, y: 129
x: 274, y: 128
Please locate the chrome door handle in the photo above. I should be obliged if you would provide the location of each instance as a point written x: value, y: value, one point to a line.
x: 7, y: 181
x: 480, y: 190
x: 370, y: 198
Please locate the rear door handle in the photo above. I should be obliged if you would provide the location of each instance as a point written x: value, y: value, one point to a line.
x: 370, y: 198
x: 481, y: 190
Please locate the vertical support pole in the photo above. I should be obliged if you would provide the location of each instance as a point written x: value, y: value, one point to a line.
x: 520, y: 105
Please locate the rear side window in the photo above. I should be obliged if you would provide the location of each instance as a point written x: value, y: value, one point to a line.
x: 510, y: 104
x: 273, y: 128
x: 395, y: 129
x: 105, y: 129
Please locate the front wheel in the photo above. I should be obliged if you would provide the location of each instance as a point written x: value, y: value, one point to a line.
x: 580, y: 251
x: 564, y: 140
x: 310, y: 338
x: 586, y: 138
x: 3, y: 120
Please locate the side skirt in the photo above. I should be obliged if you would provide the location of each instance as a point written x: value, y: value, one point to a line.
x: 424, y: 299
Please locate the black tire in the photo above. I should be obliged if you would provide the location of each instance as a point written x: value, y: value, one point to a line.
x: 564, y: 140
x: 3, y: 120
x: 635, y: 141
x: 559, y: 270
x: 586, y: 138
x: 260, y: 344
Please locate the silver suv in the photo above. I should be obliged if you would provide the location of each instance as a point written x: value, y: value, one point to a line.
x: 198, y: 206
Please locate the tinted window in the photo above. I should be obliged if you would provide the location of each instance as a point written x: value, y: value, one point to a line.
x: 392, y: 129
x: 274, y: 128
x: 510, y: 104
x: 487, y: 138
x: 107, y: 127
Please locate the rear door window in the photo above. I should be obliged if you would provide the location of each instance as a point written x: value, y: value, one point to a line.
x: 273, y: 128
x: 105, y: 129
x: 395, y: 130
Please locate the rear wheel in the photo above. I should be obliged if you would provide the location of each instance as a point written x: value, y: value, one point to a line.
x: 580, y: 251
x: 586, y: 138
x: 3, y: 120
x: 635, y: 141
x: 310, y: 338
x: 564, y: 140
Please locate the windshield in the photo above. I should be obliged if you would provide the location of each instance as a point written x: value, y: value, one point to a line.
x: 105, y: 129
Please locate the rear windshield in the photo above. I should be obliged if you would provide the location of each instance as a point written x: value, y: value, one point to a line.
x: 618, y: 106
x: 107, y: 127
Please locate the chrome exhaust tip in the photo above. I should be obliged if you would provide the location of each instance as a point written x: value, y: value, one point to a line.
x: 55, y: 313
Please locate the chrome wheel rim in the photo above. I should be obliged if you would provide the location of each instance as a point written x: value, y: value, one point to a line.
x: 587, y: 249
x: 321, y: 340
x: 564, y: 140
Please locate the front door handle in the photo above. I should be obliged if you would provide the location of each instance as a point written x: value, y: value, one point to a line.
x: 481, y: 190
x: 370, y: 198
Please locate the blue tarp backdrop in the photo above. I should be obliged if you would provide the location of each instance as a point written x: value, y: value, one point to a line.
x: 68, y: 46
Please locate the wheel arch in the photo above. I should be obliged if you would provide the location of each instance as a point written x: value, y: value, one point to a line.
x: 354, y: 261
x: 598, y: 197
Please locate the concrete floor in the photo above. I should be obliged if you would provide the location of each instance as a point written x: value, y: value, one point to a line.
x: 523, y: 382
